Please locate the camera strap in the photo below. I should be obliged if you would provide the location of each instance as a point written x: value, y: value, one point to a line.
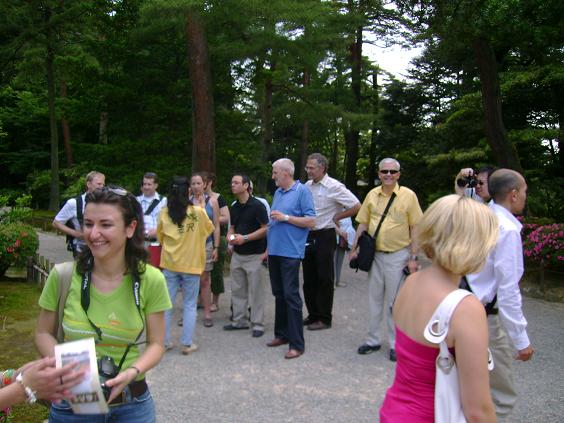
x: 85, y: 302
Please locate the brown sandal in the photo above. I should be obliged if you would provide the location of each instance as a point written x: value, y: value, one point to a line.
x: 208, y: 323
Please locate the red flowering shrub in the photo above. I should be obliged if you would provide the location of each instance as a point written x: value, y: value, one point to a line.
x: 544, y: 243
x: 17, y: 242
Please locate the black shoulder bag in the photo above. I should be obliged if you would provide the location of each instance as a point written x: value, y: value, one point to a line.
x: 367, y: 244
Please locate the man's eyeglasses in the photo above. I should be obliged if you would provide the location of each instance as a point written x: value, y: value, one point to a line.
x: 388, y: 171
x: 308, y: 168
x: 480, y: 183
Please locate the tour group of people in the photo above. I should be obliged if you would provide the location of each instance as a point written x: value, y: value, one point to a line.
x: 133, y: 254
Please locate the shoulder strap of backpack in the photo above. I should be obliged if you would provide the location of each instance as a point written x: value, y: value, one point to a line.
x: 79, y: 209
x: 65, y: 271
x: 154, y: 204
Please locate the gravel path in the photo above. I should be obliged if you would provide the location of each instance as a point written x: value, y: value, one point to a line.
x: 234, y: 378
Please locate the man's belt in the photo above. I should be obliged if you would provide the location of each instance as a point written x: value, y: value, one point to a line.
x: 490, y: 307
x: 136, y: 389
x: 321, y: 230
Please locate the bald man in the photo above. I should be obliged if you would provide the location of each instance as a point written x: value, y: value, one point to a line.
x: 497, y: 287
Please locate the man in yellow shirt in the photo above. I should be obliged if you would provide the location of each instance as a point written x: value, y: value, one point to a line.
x: 395, y: 248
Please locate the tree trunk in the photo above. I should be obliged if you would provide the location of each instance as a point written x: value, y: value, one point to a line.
x: 304, y: 142
x: 265, y: 90
x: 65, y: 126
x: 375, y: 131
x: 103, y: 128
x: 334, y: 153
x: 559, y: 141
x: 54, y: 136
x: 503, y: 150
x: 203, y: 125
x: 352, y: 134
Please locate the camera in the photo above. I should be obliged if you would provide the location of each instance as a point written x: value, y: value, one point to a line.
x: 107, y: 370
x: 467, y: 181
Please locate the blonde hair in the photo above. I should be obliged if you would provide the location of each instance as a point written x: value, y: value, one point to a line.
x: 458, y: 233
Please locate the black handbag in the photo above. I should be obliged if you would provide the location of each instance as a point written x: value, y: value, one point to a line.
x: 367, y: 244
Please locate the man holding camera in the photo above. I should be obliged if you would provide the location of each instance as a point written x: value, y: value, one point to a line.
x: 474, y: 184
x: 246, y: 238
x: 395, y: 248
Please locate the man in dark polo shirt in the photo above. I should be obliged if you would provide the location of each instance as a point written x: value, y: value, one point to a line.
x: 246, y: 238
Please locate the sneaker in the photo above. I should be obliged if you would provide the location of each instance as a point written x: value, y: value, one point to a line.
x: 187, y: 349
x: 393, y: 356
x: 169, y: 347
x: 180, y: 322
x: 257, y: 333
x: 367, y: 349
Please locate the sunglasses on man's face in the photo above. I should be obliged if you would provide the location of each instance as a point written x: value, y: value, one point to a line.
x: 390, y: 171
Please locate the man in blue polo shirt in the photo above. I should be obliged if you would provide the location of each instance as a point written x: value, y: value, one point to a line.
x: 292, y: 215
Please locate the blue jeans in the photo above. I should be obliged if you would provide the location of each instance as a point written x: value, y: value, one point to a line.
x: 190, y: 287
x: 139, y: 410
x: 285, y: 282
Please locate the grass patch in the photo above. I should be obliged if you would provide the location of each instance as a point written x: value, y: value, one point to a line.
x: 18, y: 317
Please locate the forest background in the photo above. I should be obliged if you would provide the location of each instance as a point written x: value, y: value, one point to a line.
x: 174, y: 86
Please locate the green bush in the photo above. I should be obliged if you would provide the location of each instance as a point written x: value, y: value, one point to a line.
x: 17, y: 242
x: 19, y: 212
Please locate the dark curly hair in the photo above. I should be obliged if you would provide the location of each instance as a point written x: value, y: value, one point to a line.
x: 135, y: 254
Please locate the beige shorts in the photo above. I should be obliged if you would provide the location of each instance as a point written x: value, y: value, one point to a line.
x: 209, y: 261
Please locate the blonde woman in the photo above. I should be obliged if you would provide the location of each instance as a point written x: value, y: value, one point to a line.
x: 456, y: 233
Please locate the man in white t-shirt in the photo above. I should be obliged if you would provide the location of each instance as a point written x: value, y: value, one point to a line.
x: 69, y: 212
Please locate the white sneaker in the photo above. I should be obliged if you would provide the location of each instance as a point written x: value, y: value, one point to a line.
x: 169, y: 347
x: 187, y: 349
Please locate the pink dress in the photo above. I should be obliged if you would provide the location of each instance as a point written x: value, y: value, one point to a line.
x: 411, y: 397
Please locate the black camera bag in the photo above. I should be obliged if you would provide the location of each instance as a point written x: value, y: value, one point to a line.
x: 366, y: 244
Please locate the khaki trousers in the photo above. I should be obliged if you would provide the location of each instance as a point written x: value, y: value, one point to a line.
x: 247, y: 289
x: 383, y: 280
x: 501, y: 377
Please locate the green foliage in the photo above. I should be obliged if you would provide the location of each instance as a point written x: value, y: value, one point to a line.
x: 18, y: 213
x: 17, y: 242
x: 129, y: 60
